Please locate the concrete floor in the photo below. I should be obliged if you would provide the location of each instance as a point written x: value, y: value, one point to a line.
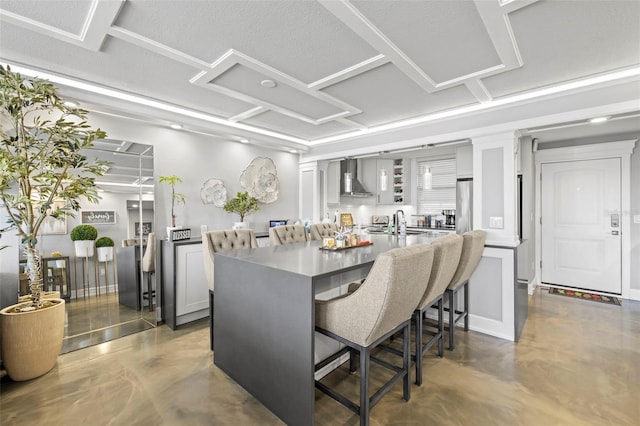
x: 96, y: 319
x: 577, y: 363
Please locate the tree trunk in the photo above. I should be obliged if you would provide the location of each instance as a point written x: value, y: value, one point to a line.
x: 35, y: 275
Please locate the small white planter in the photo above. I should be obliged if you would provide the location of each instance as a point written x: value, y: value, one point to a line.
x: 105, y: 254
x: 240, y: 225
x: 84, y: 248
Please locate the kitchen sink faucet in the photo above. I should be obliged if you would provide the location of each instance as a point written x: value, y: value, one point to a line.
x: 397, y: 220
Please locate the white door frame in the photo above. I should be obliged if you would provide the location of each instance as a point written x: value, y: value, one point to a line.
x: 619, y: 149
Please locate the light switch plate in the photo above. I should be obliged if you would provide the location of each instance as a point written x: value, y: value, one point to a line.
x: 636, y: 218
x: 496, y: 223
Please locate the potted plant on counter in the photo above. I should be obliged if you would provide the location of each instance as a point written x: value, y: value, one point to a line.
x: 243, y: 204
x: 176, y: 197
x: 41, y: 161
x: 104, y: 246
x: 84, y: 237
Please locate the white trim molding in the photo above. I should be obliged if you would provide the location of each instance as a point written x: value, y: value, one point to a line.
x: 502, y: 324
x: 617, y: 149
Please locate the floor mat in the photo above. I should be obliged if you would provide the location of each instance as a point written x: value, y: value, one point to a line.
x: 577, y: 294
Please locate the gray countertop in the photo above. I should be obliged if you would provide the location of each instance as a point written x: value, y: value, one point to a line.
x: 309, y: 260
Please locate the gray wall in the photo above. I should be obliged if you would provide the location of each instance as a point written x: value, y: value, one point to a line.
x: 492, y: 185
x: 196, y: 158
x: 635, y: 210
x: 8, y: 265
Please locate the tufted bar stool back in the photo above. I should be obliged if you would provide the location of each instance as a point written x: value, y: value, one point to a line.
x: 446, y: 257
x: 287, y: 234
x: 472, y: 249
x: 381, y: 307
x: 224, y: 240
x: 219, y: 241
x: 323, y: 230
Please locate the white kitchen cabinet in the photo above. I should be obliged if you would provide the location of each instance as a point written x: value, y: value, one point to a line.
x: 384, y: 185
x: 185, y: 290
x: 333, y: 182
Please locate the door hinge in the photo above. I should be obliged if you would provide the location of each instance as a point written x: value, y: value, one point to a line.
x: 540, y: 220
x: 541, y: 264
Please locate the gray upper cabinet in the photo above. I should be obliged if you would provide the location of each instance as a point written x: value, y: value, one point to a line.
x: 384, y: 179
x: 333, y: 182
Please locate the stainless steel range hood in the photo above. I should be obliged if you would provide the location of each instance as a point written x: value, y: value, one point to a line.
x: 357, y: 189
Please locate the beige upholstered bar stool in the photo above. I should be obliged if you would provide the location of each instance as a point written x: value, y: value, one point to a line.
x: 287, y: 234
x: 149, y: 267
x: 218, y: 241
x: 379, y: 308
x: 323, y: 230
x: 446, y: 256
x: 472, y: 249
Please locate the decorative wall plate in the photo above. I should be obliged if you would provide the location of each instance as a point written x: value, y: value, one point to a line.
x: 260, y: 180
x: 213, y: 192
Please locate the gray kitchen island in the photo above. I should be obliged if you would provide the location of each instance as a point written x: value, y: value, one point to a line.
x: 264, y: 315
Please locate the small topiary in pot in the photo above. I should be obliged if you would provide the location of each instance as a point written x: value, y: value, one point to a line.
x: 84, y: 233
x: 104, y: 242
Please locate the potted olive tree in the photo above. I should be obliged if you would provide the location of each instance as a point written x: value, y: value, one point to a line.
x: 41, y: 161
x: 104, y: 246
x: 243, y: 204
x: 176, y: 197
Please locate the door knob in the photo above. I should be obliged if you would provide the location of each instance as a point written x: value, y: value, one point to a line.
x: 615, y: 232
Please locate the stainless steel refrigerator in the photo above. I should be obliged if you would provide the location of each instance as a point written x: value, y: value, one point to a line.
x: 464, y: 205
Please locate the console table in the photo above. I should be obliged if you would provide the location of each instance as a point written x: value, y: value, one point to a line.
x: 56, y: 275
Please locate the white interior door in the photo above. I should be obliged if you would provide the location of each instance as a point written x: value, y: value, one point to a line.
x: 581, y: 244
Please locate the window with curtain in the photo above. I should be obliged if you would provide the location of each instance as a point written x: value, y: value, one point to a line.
x: 442, y: 195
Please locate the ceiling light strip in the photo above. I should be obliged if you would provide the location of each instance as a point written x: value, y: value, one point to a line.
x: 148, y: 102
x: 628, y: 73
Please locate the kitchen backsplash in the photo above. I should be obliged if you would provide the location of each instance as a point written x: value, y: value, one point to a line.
x: 362, y: 214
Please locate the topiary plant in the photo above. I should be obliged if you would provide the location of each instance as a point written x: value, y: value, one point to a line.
x: 84, y: 233
x: 242, y: 204
x: 104, y: 242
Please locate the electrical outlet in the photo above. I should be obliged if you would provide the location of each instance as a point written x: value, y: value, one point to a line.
x: 101, y: 272
x: 496, y: 223
x: 636, y: 218
x: 203, y: 229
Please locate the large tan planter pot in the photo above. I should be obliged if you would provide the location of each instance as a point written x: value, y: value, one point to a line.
x: 31, y: 341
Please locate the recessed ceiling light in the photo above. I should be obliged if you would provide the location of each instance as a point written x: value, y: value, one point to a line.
x: 599, y: 120
x: 71, y: 104
x: 243, y: 140
x: 293, y: 151
x: 176, y: 126
x: 269, y: 84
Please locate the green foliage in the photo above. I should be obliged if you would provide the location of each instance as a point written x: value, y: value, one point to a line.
x: 41, y: 160
x: 84, y: 233
x: 104, y: 242
x: 242, y: 204
x: 176, y: 197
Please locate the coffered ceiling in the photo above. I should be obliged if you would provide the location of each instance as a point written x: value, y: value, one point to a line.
x: 308, y: 73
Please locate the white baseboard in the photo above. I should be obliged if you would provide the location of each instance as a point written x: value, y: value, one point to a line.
x: 92, y: 292
x: 331, y: 366
x: 634, y: 294
x: 532, y: 285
